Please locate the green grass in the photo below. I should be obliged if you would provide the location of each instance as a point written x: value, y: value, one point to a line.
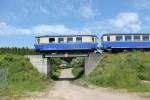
x: 78, y: 66
x: 123, y: 70
x: 55, y: 67
x: 77, y: 71
x: 22, y: 76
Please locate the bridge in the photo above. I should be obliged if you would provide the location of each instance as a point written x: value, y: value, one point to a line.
x: 43, y: 65
x: 64, y: 55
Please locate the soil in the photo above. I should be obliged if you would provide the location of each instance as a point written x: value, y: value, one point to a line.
x: 65, y: 90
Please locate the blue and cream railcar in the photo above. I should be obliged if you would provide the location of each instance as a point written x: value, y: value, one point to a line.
x: 125, y: 41
x: 66, y: 42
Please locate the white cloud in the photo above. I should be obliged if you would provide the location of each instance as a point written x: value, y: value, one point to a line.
x: 43, y: 10
x: 142, y: 4
x: 87, y: 12
x: 123, y: 22
x: 147, y: 18
x: 85, y: 31
x: 126, y: 21
x: 45, y: 29
x: 59, y: 8
x: 76, y: 8
x: 25, y: 10
x: 2, y: 24
x: 6, y: 29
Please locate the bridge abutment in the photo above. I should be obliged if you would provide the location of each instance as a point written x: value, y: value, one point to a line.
x: 43, y: 65
x: 91, y: 62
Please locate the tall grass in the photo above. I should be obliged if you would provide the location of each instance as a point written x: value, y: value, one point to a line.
x: 123, y: 70
x: 22, y: 76
x: 56, y: 71
x: 78, y: 66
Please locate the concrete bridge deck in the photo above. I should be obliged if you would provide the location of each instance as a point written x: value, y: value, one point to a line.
x: 64, y: 55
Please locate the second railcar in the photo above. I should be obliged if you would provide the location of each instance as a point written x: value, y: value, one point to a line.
x: 125, y: 41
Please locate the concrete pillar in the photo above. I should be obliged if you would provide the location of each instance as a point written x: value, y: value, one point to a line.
x: 91, y: 62
x: 43, y: 65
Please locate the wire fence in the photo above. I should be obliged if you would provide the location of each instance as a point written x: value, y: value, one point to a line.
x: 3, y: 81
x: 7, y: 93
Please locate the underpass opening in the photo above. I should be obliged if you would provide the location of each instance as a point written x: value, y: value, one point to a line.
x: 70, y: 67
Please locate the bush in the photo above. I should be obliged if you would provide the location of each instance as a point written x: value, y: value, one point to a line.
x: 78, y: 66
x: 123, y: 70
x: 77, y: 62
x: 77, y: 71
x: 55, y: 67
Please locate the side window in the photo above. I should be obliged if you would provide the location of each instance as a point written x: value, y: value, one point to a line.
x: 69, y: 39
x: 108, y: 38
x: 38, y: 40
x: 145, y: 37
x: 78, y: 39
x: 119, y: 38
x: 51, y: 40
x: 136, y: 38
x: 93, y: 39
x: 60, y: 40
x: 128, y: 38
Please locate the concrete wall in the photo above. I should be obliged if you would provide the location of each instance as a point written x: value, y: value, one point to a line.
x: 42, y: 64
x: 91, y: 62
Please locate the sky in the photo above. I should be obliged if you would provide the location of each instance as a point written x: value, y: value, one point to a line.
x: 22, y: 20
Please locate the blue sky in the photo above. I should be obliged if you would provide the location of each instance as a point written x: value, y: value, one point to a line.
x: 22, y: 20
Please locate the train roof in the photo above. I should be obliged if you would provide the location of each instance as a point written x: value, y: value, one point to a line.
x: 66, y: 35
x: 126, y: 34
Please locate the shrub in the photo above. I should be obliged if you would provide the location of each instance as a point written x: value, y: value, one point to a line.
x: 78, y: 66
x: 55, y: 67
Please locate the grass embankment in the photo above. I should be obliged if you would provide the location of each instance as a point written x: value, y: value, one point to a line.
x: 123, y: 70
x: 22, y: 76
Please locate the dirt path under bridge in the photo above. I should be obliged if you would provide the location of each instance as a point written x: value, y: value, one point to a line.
x: 64, y: 90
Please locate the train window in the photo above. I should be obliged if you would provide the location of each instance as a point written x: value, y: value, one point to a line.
x: 93, y: 39
x: 136, y: 37
x: 146, y: 38
x: 108, y: 38
x: 78, y: 39
x: 38, y: 40
x: 119, y: 38
x: 70, y: 39
x: 128, y: 38
x: 51, y: 40
x: 61, y: 40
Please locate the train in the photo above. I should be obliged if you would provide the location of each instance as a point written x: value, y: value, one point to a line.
x: 66, y: 43
x: 92, y: 43
x: 123, y: 41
